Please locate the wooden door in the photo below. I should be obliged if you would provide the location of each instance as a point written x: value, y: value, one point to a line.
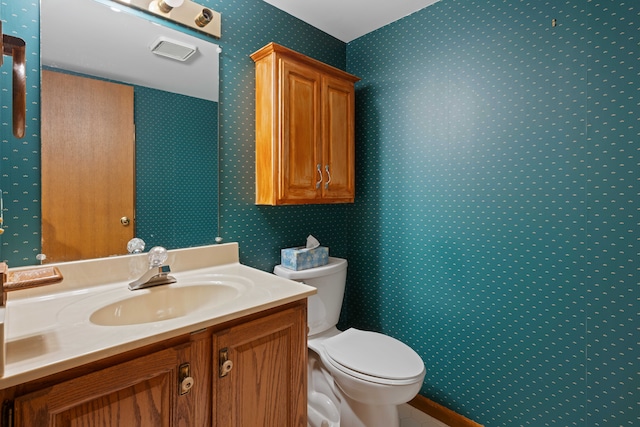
x: 140, y: 393
x: 88, y: 155
x: 267, y: 385
x: 300, y: 150
x: 338, y: 109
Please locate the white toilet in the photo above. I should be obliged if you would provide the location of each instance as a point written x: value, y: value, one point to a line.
x: 356, y: 378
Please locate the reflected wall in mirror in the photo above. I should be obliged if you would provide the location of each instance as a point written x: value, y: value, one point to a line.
x: 175, y: 112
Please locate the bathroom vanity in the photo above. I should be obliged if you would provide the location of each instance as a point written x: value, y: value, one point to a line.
x: 233, y: 354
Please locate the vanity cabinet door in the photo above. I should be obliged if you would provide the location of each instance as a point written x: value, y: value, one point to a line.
x: 141, y: 392
x: 266, y: 384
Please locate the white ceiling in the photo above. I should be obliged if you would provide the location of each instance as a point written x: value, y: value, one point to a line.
x: 82, y: 45
x: 347, y: 20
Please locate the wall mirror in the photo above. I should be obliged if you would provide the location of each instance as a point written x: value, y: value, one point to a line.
x: 167, y: 172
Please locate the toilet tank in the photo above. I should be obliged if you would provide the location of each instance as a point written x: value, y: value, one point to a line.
x: 324, y: 308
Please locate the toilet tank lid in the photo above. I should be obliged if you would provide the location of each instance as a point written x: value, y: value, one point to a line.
x: 335, y: 265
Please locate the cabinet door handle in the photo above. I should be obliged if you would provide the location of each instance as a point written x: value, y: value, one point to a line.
x: 184, y: 378
x: 225, y: 365
x: 320, y: 175
x: 326, y: 184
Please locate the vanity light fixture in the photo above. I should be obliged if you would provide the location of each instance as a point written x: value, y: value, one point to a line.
x: 164, y: 6
x: 204, y: 17
x: 185, y: 12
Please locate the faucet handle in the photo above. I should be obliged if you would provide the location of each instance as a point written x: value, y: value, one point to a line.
x: 135, y: 245
x: 157, y: 256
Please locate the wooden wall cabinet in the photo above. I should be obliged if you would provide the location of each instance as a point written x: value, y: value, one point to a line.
x: 305, y: 138
x: 265, y: 384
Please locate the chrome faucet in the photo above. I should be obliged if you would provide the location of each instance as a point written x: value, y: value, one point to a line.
x: 158, y: 273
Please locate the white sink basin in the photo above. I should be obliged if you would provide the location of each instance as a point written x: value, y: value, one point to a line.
x: 191, y: 295
x: 163, y: 303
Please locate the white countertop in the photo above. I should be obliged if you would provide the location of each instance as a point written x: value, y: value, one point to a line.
x: 48, y: 329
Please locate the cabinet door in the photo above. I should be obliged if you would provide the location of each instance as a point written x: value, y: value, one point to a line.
x: 142, y: 392
x: 266, y: 386
x: 300, y: 153
x: 338, y: 105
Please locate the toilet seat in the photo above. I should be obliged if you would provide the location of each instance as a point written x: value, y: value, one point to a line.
x: 373, y: 357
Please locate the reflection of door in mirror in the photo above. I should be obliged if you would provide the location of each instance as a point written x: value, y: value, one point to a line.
x: 88, y: 154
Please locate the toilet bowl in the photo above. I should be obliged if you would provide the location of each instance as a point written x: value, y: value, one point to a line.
x: 356, y: 378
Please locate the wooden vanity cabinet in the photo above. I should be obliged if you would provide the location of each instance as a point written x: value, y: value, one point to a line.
x: 305, y: 137
x: 266, y: 385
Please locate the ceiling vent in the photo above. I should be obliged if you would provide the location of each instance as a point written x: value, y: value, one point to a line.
x: 173, y: 49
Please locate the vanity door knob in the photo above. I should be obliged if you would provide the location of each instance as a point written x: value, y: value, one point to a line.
x: 226, y: 368
x: 125, y: 221
x: 225, y: 365
x: 186, y: 385
x: 185, y: 380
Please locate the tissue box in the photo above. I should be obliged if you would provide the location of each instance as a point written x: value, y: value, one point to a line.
x: 301, y: 258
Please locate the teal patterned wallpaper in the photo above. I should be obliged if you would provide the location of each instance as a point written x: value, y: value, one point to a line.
x: 248, y: 25
x: 495, y: 228
x: 496, y: 221
x: 176, y: 188
x: 20, y: 159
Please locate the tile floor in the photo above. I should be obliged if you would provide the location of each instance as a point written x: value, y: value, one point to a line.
x: 411, y: 417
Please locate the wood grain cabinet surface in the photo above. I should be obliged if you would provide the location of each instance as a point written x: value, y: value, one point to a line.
x: 141, y: 392
x: 305, y: 137
x: 262, y: 384
x: 267, y: 384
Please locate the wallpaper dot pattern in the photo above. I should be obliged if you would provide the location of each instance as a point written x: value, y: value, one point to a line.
x: 262, y: 231
x: 176, y: 169
x: 20, y: 158
x: 495, y: 228
x: 497, y: 206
